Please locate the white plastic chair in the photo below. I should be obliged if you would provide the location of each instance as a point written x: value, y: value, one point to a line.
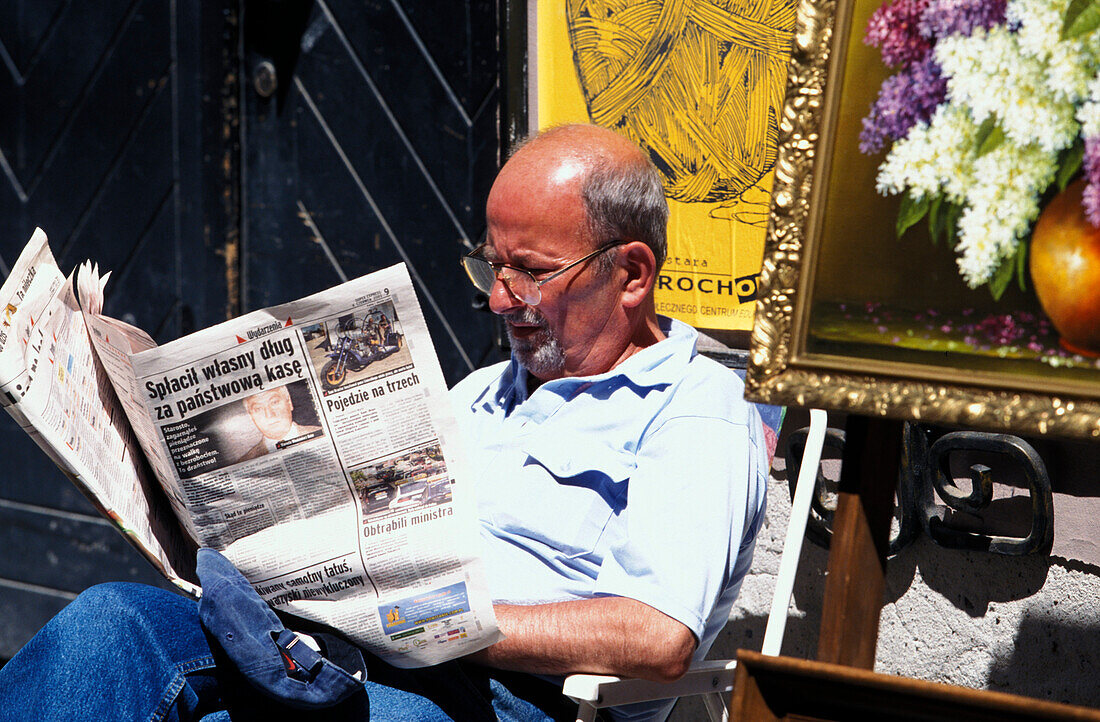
x: 714, y: 678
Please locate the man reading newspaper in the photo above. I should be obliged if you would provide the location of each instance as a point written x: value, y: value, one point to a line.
x: 620, y: 482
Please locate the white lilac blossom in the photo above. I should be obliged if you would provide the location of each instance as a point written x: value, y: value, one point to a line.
x: 1089, y: 113
x: 992, y: 75
x: 1089, y: 116
x: 1001, y: 205
x: 935, y: 158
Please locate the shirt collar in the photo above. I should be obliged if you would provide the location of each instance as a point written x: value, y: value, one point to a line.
x: 655, y: 365
x: 652, y: 366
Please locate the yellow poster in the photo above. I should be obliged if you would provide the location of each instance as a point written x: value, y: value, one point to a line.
x: 699, y: 84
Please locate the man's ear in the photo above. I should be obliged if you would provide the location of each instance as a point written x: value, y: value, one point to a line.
x: 640, y: 265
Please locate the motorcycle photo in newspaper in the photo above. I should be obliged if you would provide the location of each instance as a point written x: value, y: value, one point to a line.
x: 360, y: 341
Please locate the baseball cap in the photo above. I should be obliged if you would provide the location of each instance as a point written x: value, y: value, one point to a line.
x: 274, y: 659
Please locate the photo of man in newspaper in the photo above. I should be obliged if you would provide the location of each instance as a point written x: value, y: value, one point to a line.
x: 271, y: 419
x: 357, y: 346
x: 272, y: 413
x: 412, y: 481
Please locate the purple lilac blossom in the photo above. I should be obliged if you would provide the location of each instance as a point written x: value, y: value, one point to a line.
x: 1091, y: 198
x: 1000, y: 330
x: 893, y: 28
x: 905, y: 99
x: 943, y: 18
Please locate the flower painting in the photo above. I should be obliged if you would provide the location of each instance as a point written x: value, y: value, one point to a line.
x: 939, y: 205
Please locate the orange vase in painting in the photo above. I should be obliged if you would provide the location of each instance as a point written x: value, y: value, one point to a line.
x: 1065, y: 268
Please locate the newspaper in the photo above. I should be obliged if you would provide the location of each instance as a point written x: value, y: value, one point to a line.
x: 311, y: 443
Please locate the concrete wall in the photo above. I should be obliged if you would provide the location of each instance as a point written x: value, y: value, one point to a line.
x: 1026, y: 625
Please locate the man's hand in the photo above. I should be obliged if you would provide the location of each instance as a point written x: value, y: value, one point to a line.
x: 605, y: 635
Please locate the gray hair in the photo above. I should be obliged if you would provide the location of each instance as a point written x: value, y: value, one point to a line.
x: 625, y: 201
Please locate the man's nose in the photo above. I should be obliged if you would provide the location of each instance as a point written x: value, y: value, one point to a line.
x: 501, y: 298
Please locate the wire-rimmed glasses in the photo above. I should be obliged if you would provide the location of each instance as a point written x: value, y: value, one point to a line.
x: 521, y: 282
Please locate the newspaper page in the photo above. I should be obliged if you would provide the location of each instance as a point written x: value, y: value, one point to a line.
x: 53, y: 386
x: 313, y: 444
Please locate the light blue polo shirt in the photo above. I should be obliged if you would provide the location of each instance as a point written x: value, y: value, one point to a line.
x: 646, y: 482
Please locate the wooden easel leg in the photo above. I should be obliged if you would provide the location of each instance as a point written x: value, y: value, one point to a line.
x: 861, y: 528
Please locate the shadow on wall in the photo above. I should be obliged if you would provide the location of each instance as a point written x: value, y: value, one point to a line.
x: 969, y: 580
x: 1026, y: 625
x: 1051, y: 660
x: 1015, y: 624
x: 800, y: 635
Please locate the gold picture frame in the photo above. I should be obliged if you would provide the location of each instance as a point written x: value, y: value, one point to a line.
x: 826, y: 238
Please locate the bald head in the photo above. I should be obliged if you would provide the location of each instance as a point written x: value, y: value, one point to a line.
x: 620, y: 189
x: 583, y: 142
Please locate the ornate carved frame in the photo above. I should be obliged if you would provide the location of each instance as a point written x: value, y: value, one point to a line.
x: 780, y: 371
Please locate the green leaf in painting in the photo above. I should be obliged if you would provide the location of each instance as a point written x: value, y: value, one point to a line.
x: 1001, y: 278
x: 989, y: 141
x: 1069, y: 162
x: 951, y: 222
x: 935, y: 219
x: 910, y: 212
x: 1021, y: 266
x: 1082, y: 17
x: 984, y: 130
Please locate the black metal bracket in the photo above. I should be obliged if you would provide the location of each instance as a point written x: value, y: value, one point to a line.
x: 924, y: 479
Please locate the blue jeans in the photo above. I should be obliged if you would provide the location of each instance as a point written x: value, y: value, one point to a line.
x: 132, y: 652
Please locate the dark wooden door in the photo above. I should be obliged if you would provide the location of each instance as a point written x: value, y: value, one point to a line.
x: 219, y: 157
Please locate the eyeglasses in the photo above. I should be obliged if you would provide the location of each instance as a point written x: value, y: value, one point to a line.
x: 521, y: 282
